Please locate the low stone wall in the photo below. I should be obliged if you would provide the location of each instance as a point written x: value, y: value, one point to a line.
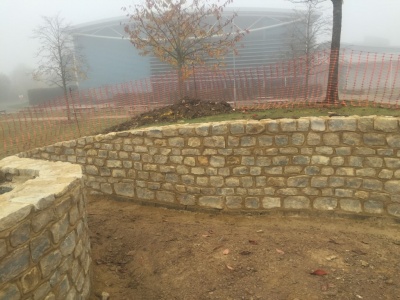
x: 341, y: 164
x: 44, y: 242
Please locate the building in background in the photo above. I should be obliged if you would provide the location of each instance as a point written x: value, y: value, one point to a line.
x: 113, y: 59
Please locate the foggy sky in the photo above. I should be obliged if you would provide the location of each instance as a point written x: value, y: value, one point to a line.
x: 361, y: 19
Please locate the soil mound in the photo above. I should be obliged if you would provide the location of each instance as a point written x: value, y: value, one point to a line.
x: 187, y: 108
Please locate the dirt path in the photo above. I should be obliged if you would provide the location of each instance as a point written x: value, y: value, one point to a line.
x: 154, y: 253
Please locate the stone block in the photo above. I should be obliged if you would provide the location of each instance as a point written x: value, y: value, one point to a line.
x: 254, y: 127
x: 345, y: 171
x: 271, y: 202
x: 281, y: 140
x: 272, y: 125
x: 351, y: 138
x: 30, y: 280
x: 296, y: 202
x: 310, y: 191
x: 280, y: 160
x: 320, y: 160
x: 325, y: 203
x: 68, y: 245
x: 234, y: 202
x: 118, y: 173
x: 373, y: 207
x: 113, y: 164
x: 355, y: 161
x: 14, y: 264
x: 10, y: 292
x: 303, y: 124
x: 298, y: 181
x: 365, y: 124
x: 386, y: 174
x: 366, y: 172
x: 214, y: 142
x: 255, y: 171
x: 342, y: 124
x: 21, y: 234
x: 3, y: 247
x: 337, y: 161
x: 298, y: 139
x: 394, y: 209
x: 319, y: 181
x: 59, y: 229
x: 236, y: 128
x: 276, y: 181
x: 265, y: 140
x: 392, y: 186
x: 240, y: 171
x: 50, y: 262
x: 372, y: 184
x: 343, y: 193
x: 187, y: 199
x: 252, y: 202
x: 124, y: 189
x: 335, y: 181
x: 39, y: 245
x: 331, y: 139
x: 165, y: 196
x: 374, y: 139
x: 217, y: 161
x: 289, y: 150
x: 291, y: 170
x: 350, y: 205
x: 211, y: 201
x: 288, y: 125
x: 301, y: 160
x: 312, y: 170
x: 288, y: 192
x: 353, y: 182
x: 178, y: 142
x: 324, y: 150
x: 248, y: 141
x: 392, y: 163
x: 318, y: 124
x: 393, y: 141
x: 386, y: 124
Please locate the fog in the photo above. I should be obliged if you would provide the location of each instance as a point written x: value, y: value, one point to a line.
x: 364, y: 22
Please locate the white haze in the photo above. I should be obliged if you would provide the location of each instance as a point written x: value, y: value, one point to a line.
x: 364, y: 21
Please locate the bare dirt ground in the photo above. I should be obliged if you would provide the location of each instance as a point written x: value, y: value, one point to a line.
x: 186, y: 108
x: 142, y: 252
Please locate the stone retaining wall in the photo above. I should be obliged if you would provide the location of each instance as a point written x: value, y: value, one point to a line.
x: 44, y: 242
x: 342, y: 164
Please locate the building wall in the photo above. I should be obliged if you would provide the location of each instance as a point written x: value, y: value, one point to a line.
x: 339, y: 164
x: 111, y: 61
x: 115, y: 60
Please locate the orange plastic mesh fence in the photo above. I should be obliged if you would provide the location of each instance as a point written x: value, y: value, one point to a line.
x: 365, y: 79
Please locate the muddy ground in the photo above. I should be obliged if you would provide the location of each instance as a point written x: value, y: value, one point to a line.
x: 142, y: 252
x: 184, y: 109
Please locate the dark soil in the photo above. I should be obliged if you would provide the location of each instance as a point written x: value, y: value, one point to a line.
x: 186, y: 109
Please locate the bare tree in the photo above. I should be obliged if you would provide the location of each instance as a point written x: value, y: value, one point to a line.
x: 332, y: 93
x: 59, y: 62
x: 182, y: 33
x: 305, y: 36
x: 5, y: 88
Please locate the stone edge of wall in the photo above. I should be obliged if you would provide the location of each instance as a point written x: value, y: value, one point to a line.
x: 340, y: 164
x: 44, y: 241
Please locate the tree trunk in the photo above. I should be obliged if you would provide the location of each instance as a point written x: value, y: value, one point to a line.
x: 181, y: 84
x: 67, y: 103
x: 332, y: 93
